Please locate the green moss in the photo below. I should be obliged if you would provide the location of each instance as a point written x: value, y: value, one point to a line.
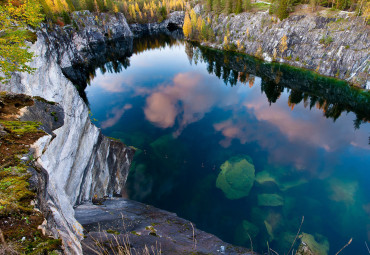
x: 42, y: 247
x: 135, y: 233
x: 40, y: 99
x: 114, y: 139
x: 261, y: 6
x: 14, y: 193
x: 326, y: 40
x: 21, y: 127
x: 22, y: 220
x: 54, y: 114
x: 111, y: 231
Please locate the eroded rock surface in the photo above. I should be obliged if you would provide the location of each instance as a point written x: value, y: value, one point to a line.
x: 136, y: 225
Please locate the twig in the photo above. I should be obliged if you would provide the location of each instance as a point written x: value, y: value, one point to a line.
x: 367, y: 247
x: 349, y: 242
x: 250, y: 239
x: 268, y: 247
x: 194, y: 241
x: 299, y: 230
x: 274, y: 251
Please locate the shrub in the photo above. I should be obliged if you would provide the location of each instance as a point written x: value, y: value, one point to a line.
x: 326, y: 40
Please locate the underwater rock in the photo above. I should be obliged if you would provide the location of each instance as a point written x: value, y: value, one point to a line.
x: 270, y: 200
x: 343, y: 190
x: 303, y: 249
x: 276, y: 175
x: 291, y: 184
x: 269, y: 230
x: 164, y: 147
x: 236, y: 177
x: 319, y: 245
x: 250, y: 228
x: 245, y: 231
x: 265, y: 176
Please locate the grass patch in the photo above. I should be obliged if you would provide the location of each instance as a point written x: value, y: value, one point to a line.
x: 21, y: 127
x: 114, y: 232
x: 18, y: 220
x: 54, y: 114
x: 260, y: 6
x: 40, y: 99
x: 326, y: 40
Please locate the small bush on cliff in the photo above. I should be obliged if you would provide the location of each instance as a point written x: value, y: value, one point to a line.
x: 14, y: 19
x: 282, y: 11
x: 326, y: 40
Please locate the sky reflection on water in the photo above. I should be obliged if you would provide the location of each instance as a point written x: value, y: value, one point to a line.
x: 186, y: 123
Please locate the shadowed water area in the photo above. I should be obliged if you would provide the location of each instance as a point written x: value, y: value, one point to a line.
x: 240, y: 147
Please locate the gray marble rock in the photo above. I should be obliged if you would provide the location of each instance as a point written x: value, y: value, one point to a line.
x: 138, y: 225
x: 337, y: 46
x: 79, y: 161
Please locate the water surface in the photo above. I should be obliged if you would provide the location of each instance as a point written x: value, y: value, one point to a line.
x: 191, y: 111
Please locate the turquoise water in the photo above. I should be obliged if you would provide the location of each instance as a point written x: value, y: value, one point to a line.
x: 241, y: 147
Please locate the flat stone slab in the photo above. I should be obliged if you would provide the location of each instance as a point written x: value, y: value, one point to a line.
x: 125, y: 224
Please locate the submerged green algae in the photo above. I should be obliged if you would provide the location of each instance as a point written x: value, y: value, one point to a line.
x: 270, y: 200
x: 236, y: 177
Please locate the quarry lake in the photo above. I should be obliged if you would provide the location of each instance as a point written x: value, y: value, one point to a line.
x: 242, y: 148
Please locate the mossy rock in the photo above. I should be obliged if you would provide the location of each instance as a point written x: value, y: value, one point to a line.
x: 21, y: 127
x: 245, y: 231
x: 343, y: 190
x: 236, y: 177
x: 14, y: 194
x: 270, y: 200
x: 318, y: 244
x: 265, y: 176
x: 269, y: 230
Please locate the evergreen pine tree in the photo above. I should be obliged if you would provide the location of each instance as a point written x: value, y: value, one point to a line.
x: 217, y: 6
x: 209, y: 5
x: 282, y: 11
x: 238, y: 6
x: 228, y: 7
x: 247, y: 5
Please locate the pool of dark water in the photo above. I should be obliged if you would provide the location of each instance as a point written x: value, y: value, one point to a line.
x: 242, y: 148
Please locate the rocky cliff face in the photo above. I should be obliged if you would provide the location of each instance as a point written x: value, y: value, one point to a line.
x: 81, y: 163
x: 337, y: 46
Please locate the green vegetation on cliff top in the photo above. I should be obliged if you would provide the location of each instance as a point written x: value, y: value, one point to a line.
x: 19, y: 221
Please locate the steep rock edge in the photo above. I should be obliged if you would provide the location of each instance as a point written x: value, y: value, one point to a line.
x: 146, y: 226
x: 345, y: 54
x: 80, y: 162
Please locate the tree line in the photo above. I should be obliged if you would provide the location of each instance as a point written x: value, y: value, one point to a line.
x: 197, y: 28
x: 135, y: 11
